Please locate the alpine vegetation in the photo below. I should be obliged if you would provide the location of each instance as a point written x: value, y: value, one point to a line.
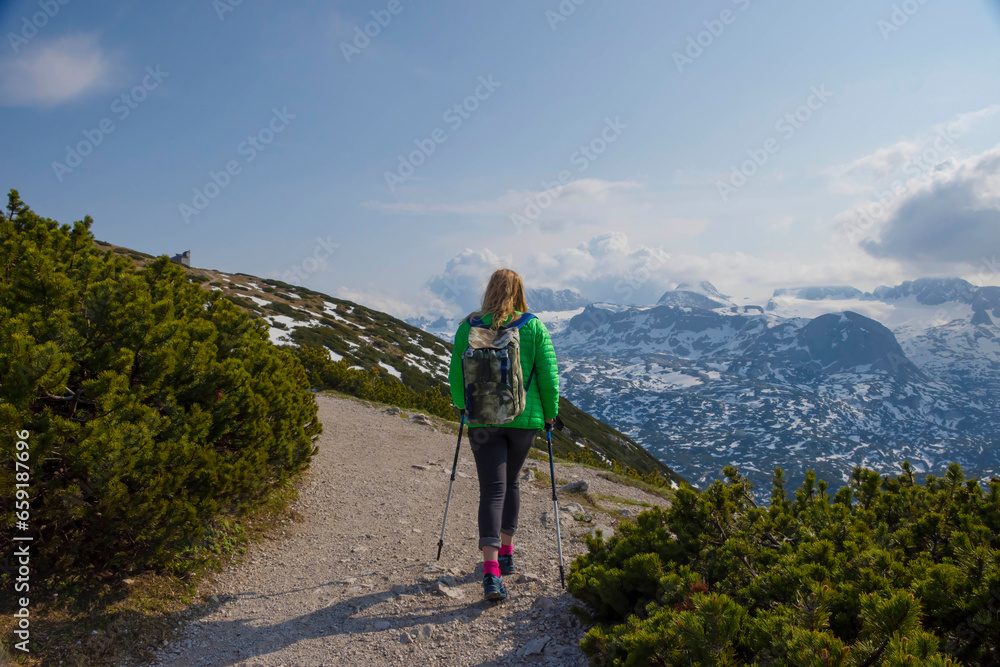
x: 887, y: 571
x: 155, y: 406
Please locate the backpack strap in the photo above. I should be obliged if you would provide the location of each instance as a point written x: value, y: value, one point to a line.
x: 478, y: 323
x: 521, y: 321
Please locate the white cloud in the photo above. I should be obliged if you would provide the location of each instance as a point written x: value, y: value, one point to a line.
x: 907, y: 158
x: 460, y: 286
x: 55, y: 72
x: 946, y: 220
x: 609, y: 267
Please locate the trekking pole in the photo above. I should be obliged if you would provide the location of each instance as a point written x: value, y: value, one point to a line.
x: 454, y: 467
x: 555, y: 503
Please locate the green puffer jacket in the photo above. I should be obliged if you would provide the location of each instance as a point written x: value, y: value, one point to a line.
x: 536, y: 351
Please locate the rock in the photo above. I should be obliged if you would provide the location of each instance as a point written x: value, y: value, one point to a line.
x: 128, y: 582
x: 528, y: 475
x: 607, y: 532
x: 580, y: 486
x: 542, y: 605
x: 215, y: 599
x: 360, y: 549
x: 398, y: 589
x: 535, y: 646
x: 393, y: 410
x: 627, y: 513
x: 405, y: 638
x: 439, y: 588
x: 574, y: 508
x: 425, y: 631
x: 548, y: 519
x: 525, y: 578
x: 382, y: 625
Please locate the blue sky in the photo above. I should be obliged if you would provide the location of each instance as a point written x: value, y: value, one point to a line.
x: 312, y: 122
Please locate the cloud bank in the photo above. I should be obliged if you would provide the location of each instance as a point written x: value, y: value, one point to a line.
x: 951, y: 216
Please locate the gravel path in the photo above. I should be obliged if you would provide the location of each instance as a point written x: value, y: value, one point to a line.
x: 354, y: 582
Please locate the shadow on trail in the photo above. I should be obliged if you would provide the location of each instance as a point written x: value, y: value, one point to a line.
x: 342, y: 618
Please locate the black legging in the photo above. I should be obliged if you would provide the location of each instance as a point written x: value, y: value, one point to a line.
x: 500, y: 452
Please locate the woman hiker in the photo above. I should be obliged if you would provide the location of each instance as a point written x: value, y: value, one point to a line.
x: 501, y: 449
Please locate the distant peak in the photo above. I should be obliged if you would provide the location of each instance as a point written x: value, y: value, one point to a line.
x: 929, y: 291
x: 701, y: 295
x: 702, y: 287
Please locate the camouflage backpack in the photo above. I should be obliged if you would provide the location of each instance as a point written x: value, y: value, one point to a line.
x: 491, y: 368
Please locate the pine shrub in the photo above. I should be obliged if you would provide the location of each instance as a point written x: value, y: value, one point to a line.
x: 325, y: 373
x: 153, y: 406
x: 886, y: 571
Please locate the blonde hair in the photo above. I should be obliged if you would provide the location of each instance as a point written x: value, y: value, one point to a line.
x: 504, y: 295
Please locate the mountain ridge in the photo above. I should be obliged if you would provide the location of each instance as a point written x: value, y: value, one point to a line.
x: 706, y: 387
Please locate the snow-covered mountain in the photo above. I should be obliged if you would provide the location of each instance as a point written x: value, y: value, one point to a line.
x: 703, y: 295
x: 441, y: 327
x: 545, y: 299
x: 826, y: 378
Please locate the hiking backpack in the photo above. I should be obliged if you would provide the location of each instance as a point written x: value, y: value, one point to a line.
x: 495, y: 392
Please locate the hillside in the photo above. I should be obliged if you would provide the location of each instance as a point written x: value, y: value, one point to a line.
x: 367, y: 338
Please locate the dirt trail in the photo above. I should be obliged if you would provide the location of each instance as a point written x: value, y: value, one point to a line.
x: 354, y: 582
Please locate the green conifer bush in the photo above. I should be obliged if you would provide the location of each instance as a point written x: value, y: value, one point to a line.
x: 886, y: 571
x: 153, y: 406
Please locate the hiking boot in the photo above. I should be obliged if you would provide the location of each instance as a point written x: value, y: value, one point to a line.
x: 507, y: 565
x: 493, y: 588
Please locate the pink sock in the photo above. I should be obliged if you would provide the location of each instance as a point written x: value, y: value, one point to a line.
x: 507, y: 550
x: 491, y: 567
